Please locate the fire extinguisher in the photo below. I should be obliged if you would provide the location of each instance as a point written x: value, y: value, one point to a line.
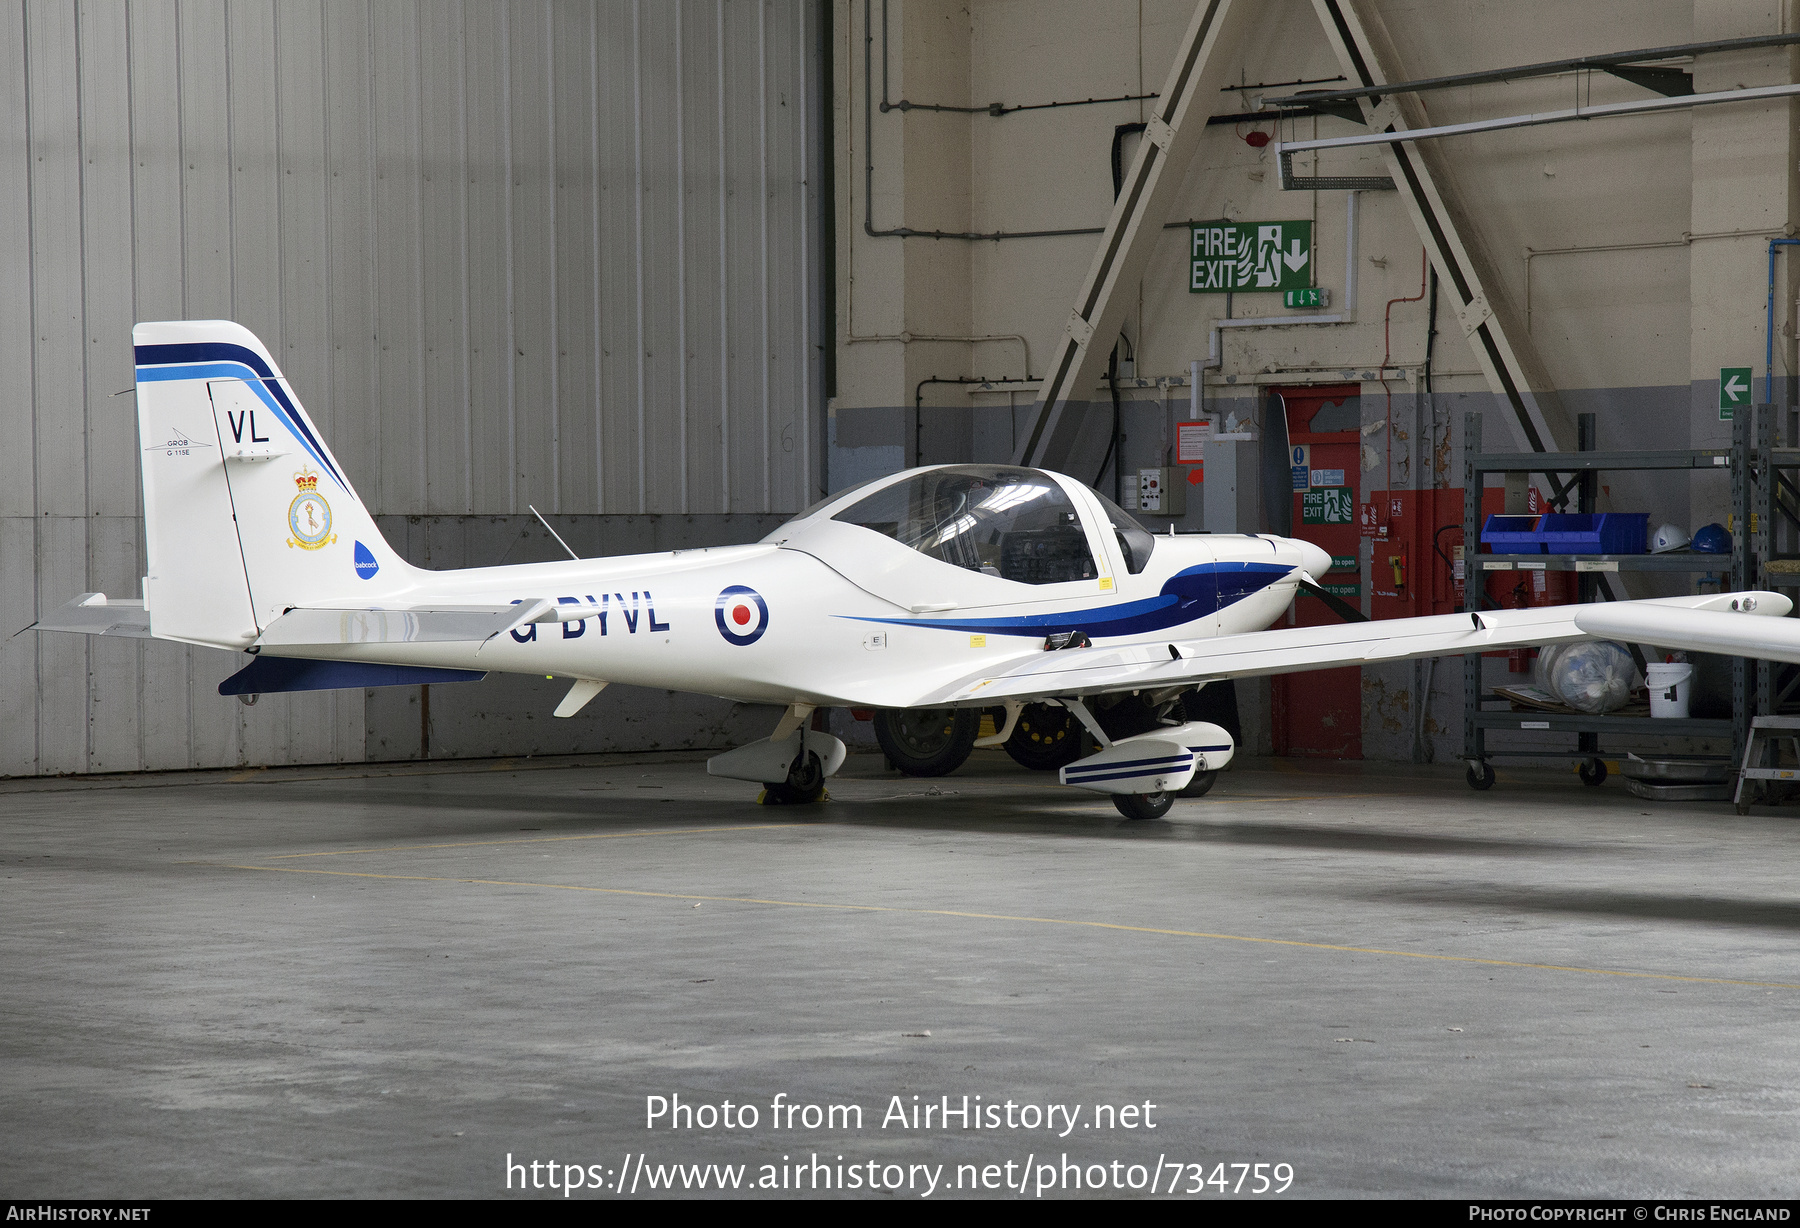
x: 1450, y: 581
x: 1518, y: 660
x: 1552, y: 588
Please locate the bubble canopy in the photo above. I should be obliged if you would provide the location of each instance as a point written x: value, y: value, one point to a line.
x: 1011, y: 523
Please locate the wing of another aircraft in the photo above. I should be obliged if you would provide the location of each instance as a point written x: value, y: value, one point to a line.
x: 1726, y: 622
x: 444, y: 624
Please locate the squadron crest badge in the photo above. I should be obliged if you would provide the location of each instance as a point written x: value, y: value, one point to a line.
x: 309, y: 516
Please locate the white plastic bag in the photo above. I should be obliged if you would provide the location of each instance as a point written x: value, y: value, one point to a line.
x: 1592, y: 677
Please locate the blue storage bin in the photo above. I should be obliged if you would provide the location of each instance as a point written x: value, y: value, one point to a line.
x: 1513, y: 534
x: 1593, y: 532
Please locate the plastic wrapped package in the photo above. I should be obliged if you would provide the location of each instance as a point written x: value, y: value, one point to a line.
x: 1593, y: 677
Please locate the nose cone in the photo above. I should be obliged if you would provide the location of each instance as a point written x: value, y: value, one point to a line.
x: 1314, y: 560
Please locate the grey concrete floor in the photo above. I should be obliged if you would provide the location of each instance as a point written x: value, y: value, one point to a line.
x: 385, y: 982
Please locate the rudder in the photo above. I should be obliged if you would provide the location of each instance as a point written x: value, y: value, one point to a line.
x: 246, y: 511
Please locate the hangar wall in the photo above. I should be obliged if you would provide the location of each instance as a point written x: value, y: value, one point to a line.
x: 509, y: 254
x: 1635, y: 248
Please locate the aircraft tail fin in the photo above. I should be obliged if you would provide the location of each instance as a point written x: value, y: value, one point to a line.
x: 246, y: 511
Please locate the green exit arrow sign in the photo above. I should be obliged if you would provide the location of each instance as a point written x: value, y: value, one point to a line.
x: 1734, y: 390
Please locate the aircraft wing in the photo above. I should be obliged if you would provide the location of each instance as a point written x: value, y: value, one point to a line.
x: 1696, y: 630
x: 1724, y: 622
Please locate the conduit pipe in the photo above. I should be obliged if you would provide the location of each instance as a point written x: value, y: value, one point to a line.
x: 1687, y: 239
x: 1769, y: 353
x: 907, y: 338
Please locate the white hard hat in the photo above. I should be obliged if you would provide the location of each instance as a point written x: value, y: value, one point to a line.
x: 1669, y: 537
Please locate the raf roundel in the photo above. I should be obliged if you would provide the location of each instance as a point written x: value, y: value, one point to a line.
x: 742, y: 614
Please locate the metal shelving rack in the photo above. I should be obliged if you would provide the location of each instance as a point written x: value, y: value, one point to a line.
x: 1768, y: 495
x: 1577, y: 473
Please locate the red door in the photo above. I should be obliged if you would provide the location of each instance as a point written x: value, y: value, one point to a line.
x: 1318, y: 714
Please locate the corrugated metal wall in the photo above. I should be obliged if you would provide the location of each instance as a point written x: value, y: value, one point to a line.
x: 562, y: 254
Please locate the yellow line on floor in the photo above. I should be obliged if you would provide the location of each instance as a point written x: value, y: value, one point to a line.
x: 987, y: 916
x: 605, y: 835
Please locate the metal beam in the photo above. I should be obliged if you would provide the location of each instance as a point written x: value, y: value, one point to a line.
x: 1502, y: 347
x: 1499, y: 123
x: 1146, y: 197
x: 1548, y: 68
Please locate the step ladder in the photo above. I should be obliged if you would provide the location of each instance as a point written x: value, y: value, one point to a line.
x: 1769, y: 732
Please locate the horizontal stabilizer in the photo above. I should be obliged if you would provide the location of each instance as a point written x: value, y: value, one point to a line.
x: 272, y: 675
x: 96, y: 614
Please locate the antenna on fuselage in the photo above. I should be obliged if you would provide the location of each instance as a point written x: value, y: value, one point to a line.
x: 554, y: 533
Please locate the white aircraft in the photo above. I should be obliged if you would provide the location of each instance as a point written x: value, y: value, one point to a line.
x: 929, y: 595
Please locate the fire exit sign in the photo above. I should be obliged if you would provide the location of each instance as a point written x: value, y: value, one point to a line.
x: 1227, y: 257
x: 1312, y: 296
x: 1734, y: 390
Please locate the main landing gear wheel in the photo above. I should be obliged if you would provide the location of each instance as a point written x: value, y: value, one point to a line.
x: 805, y: 783
x: 1483, y: 781
x: 1045, y: 738
x: 1200, y: 784
x: 1143, y: 805
x: 927, y: 741
x: 1592, y: 771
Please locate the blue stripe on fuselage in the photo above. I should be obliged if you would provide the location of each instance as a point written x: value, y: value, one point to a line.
x: 1190, y: 594
x: 213, y: 359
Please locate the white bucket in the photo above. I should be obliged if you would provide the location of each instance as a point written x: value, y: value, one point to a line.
x: 1668, y: 684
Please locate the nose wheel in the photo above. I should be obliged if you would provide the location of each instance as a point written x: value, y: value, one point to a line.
x: 805, y: 783
x: 1201, y: 784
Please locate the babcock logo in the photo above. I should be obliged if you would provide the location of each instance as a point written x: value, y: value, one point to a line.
x: 742, y: 614
x: 366, y: 566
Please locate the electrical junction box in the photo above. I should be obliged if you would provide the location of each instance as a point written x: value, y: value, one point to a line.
x: 1161, y: 492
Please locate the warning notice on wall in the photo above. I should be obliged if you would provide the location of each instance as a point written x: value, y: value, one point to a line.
x: 1190, y: 442
x: 1227, y: 257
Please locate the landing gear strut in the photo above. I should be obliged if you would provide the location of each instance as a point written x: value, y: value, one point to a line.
x: 792, y: 764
